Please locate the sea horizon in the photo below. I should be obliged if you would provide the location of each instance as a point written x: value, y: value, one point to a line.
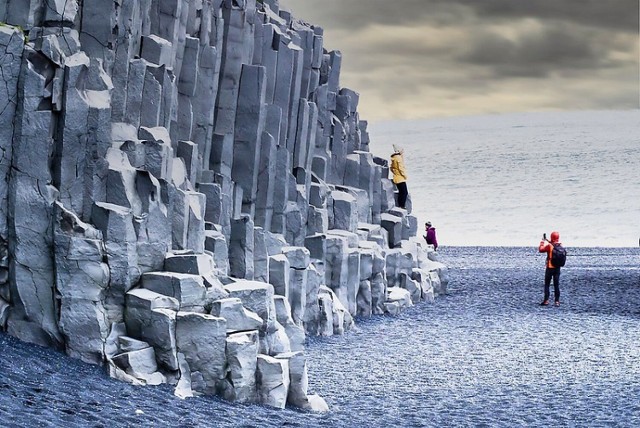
x: 505, y: 179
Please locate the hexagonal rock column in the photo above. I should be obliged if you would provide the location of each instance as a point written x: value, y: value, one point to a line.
x: 116, y: 224
x: 299, y: 384
x: 82, y: 279
x: 424, y: 279
x: 334, y: 312
x: 242, y: 364
x: 33, y: 316
x: 237, y: 50
x: 345, y: 212
x: 299, y: 262
x: 238, y: 317
x: 294, y: 332
x: 12, y: 41
x: 141, y: 364
x: 188, y: 290
x: 378, y: 294
x: 241, y: 248
x: 197, y: 264
x: 215, y: 243
x: 315, y: 279
x: 266, y: 180
x: 260, y: 255
x: 273, y: 381
x: 249, y: 126
x: 201, y: 338
x: 279, y: 273
x: 257, y: 297
x: 393, y: 225
x: 151, y: 317
x: 397, y: 300
x: 85, y: 134
x: 188, y: 220
x: 337, y: 266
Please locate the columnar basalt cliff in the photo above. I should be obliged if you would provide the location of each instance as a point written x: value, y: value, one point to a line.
x: 187, y: 192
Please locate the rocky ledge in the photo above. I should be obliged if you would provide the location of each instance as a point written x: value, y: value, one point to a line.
x: 186, y: 192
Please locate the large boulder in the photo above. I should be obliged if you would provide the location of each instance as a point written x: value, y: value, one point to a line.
x: 242, y: 365
x: 202, y: 339
x: 187, y: 289
x: 294, y: 331
x: 151, y: 317
x: 257, y: 297
x: 273, y: 381
x: 238, y: 317
x: 141, y: 364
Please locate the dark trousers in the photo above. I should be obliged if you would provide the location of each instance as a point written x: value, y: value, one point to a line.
x: 548, y: 275
x: 402, y: 194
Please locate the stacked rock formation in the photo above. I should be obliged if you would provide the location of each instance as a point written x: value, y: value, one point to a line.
x: 187, y: 192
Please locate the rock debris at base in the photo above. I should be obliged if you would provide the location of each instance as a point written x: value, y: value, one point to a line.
x: 186, y: 193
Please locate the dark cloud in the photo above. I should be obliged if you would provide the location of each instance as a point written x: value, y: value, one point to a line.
x: 618, y: 15
x: 424, y: 58
x: 535, y: 53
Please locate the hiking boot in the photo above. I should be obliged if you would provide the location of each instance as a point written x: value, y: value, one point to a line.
x: 557, y: 303
x: 544, y: 303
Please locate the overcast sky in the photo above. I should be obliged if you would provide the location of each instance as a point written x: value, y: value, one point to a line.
x: 413, y: 59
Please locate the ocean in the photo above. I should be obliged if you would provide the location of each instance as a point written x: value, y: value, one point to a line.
x: 503, y: 180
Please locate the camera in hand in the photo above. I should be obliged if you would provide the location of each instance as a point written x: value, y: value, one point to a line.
x: 544, y: 236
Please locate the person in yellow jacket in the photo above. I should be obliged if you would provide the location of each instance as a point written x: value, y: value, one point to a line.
x: 399, y: 175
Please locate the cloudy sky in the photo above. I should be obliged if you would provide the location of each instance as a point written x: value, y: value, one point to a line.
x: 413, y: 59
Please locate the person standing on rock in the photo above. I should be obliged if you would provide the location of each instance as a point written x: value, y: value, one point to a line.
x: 399, y: 175
x: 553, y: 264
x: 430, y: 237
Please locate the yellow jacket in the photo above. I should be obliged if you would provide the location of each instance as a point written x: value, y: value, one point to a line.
x: 397, y: 168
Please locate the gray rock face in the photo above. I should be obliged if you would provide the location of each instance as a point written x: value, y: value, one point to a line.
x: 345, y: 212
x: 201, y: 338
x: 294, y: 332
x: 393, y: 225
x: 141, y: 365
x: 242, y: 360
x: 117, y: 227
x: 12, y: 41
x: 257, y: 297
x: 238, y: 317
x: 188, y: 290
x: 273, y: 381
x: 82, y: 280
x: 241, y: 248
x: 186, y: 192
x: 151, y: 317
x: 279, y: 274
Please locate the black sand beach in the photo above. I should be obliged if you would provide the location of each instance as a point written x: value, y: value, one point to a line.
x: 486, y: 354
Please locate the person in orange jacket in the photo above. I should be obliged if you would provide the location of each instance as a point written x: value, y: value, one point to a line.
x: 399, y: 175
x: 551, y: 271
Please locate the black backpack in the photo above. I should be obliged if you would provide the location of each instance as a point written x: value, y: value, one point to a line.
x: 558, y: 255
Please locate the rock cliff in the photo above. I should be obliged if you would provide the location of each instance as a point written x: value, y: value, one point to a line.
x: 186, y: 192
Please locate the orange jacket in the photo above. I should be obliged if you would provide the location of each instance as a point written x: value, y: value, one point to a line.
x: 547, y: 247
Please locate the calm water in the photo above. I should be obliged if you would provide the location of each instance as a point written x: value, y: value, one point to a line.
x: 485, y: 355
x: 506, y: 179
